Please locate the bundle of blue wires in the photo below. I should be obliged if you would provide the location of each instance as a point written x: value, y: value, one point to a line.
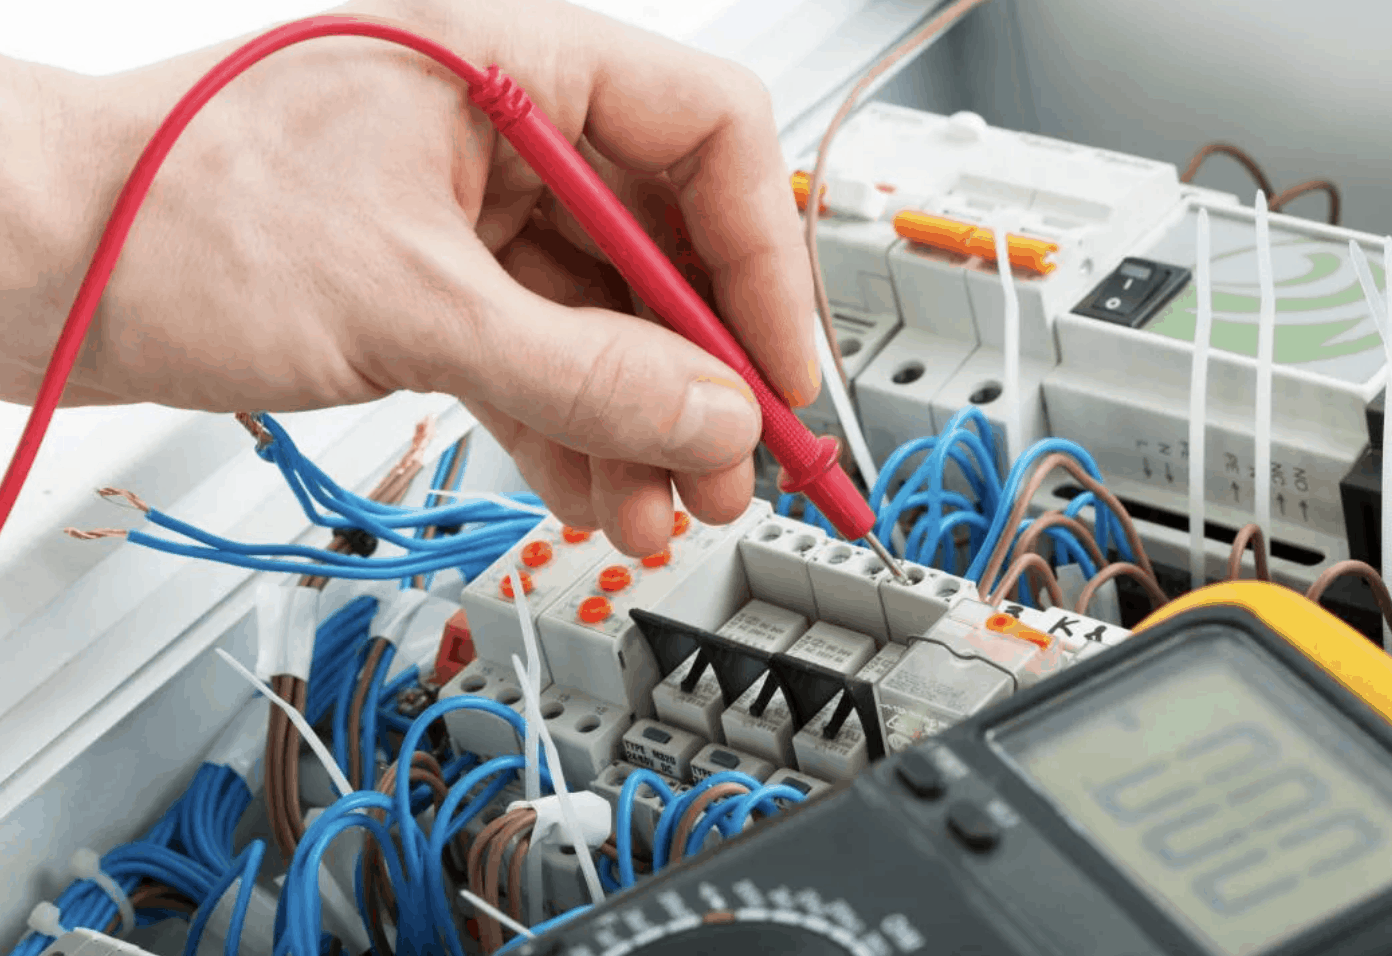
x: 487, y: 528
x: 969, y: 443
x: 728, y: 815
x: 190, y: 850
x: 424, y: 917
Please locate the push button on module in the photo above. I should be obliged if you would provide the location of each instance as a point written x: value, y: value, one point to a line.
x: 973, y: 826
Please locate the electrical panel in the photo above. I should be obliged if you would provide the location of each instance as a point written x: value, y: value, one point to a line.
x: 764, y: 651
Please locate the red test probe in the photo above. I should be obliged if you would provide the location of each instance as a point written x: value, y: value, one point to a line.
x: 811, y: 465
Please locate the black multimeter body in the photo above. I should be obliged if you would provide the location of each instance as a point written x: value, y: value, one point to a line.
x: 1204, y: 789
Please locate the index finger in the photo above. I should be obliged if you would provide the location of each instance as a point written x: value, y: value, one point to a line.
x: 656, y: 106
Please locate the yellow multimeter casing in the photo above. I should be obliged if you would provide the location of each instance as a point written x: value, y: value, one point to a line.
x: 1337, y: 649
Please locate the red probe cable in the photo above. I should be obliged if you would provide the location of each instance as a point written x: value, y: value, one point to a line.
x: 810, y: 464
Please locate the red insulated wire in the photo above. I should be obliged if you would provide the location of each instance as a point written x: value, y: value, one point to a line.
x: 810, y: 463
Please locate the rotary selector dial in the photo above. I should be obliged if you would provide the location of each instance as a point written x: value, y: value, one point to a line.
x: 743, y: 920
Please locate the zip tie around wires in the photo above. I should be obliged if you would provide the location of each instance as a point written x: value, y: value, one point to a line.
x: 46, y: 920
x: 86, y: 865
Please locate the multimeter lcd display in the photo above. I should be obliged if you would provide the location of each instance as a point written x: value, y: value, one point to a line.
x: 1244, y: 805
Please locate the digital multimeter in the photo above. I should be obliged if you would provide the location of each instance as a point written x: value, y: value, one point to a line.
x: 1219, y: 785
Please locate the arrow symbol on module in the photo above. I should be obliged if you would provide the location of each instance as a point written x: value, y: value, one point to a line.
x: 1145, y: 466
x: 1169, y: 475
x: 1304, y: 511
x: 1236, y: 492
x: 1281, y: 502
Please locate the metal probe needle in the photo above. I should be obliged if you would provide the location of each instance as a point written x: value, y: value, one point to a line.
x: 883, y: 554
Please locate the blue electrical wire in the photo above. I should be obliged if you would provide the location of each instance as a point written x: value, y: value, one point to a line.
x: 368, y: 730
x: 542, y: 928
x: 731, y: 813
x: 246, y: 867
x: 623, y: 818
x: 672, y: 814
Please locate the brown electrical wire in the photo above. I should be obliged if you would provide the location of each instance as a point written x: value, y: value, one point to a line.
x: 377, y: 649
x: 517, y: 830
x: 920, y: 38
x: 1366, y: 571
x: 1283, y: 198
x: 377, y: 891
x: 641, y: 863
x: 1030, y: 539
x: 456, y: 467
x: 1227, y: 149
x: 282, y: 756
x: 153, y: 896
x: 698, y: 807
x: 1116, y: 570
x: 515, y: 867
x: 485, y: 859
x: 1033, y: 564
x: 1248, y: 534
x: 1036, y: 481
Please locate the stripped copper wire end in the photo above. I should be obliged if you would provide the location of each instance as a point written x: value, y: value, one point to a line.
x: 95, y: 534
x: 252, y: 423
x: 414, y: 459
x: 132, y: 499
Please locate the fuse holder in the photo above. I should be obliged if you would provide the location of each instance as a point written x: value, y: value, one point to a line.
x: 505, y: 585
x: 802, y: 187
x: 536, y: 553
x: 456, y: 649
x: 615, y: 578
x: 964, y: 238
x: 575, y: 535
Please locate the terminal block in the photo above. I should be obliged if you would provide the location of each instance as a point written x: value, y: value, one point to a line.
x: 476, y: 732
x: 592, y: 643
x: 795, y: 566
x: 588, y: 733
x: 662, y: 748
x: 717, y: 758
x: 647, y: 806
x: 803, y: 783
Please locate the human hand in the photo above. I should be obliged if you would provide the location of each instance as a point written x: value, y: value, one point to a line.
x: 339, y: 224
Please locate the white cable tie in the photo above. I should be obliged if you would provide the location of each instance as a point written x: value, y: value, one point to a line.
x: 463, y: 496
x: 86, y: 865
x: 296, y: 718
x: 1013, y: 386
x: 1266, y: 344
x: 497, y: 914
x: 394, y: 614
x: 592, y: 810
x: 1198, y: 405
x: 531, y: 782
x: 45, y: 919
x: 563, y: 796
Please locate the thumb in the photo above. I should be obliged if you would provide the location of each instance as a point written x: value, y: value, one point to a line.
x: 606, y: 384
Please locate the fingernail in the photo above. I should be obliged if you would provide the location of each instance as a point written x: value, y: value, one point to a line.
x: 719, y: 423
